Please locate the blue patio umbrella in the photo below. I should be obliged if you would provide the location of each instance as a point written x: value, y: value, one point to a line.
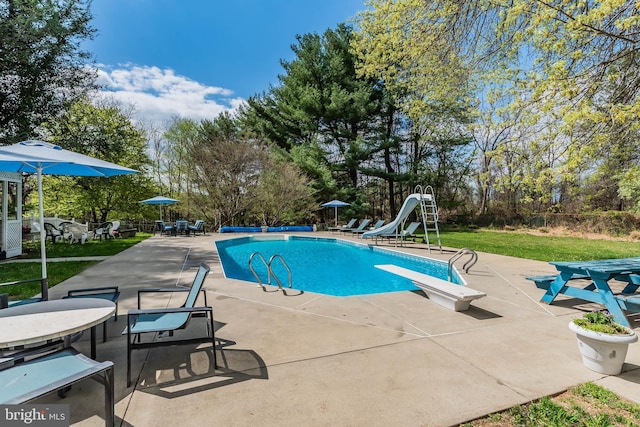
x: 43, y: 158
x: 335, y: 204
x: 160, y: 201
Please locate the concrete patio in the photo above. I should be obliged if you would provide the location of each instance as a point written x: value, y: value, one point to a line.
x: 303, y: 359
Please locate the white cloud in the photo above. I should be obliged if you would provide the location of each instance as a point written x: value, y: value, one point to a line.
x: 160, y: 95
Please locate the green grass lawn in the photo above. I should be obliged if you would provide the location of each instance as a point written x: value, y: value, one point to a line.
x: 541, y: 248
x: 91, y: 248
x: 58, y: 271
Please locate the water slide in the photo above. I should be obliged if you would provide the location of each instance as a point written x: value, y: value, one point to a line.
x: 407, y: 207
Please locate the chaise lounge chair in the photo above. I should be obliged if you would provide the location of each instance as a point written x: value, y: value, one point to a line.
x: 348, y: 225
x: 168, y: 320
x: 360, y: 228
x: 379, y: 223
x: 403, y: 234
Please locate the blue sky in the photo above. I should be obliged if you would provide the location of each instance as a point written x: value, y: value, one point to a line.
x: 196, y: 58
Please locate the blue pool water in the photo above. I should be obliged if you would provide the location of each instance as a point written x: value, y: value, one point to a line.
x: 326, y: 266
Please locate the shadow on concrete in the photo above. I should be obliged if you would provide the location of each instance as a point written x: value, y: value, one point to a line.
x: 473, y: 311
x: 191, y: 370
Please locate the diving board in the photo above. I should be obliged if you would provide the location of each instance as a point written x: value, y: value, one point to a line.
x: 447, y: 294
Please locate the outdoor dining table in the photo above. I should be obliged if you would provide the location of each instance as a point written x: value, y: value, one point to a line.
x: 50, y: 320
x: 600, y: 273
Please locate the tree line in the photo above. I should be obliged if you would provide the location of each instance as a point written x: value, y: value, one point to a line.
x: 503, y: 108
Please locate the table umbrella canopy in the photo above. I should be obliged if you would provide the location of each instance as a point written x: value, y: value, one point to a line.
x: 40, y: 157
x: 335, y: 204
x: 31, y: 156
x: 159, y: 200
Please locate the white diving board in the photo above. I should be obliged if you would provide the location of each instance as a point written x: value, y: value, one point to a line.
x: 447, y: 294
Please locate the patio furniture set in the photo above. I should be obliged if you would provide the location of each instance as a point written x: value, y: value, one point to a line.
x: 73, y: 232
x: 592, y: 281
x: 36, y: 353
x: 181, y: 226
x: 36, y: 356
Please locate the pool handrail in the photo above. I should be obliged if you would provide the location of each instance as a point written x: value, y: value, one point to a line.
x: 273, y: 258
x: 264, y: 261
x: 467, y: 265
x: 270, y: 271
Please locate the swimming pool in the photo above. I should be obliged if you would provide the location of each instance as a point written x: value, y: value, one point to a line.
x: 324, y: 265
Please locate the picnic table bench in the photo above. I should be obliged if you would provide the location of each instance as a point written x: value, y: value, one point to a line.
x: 598, y: 290
x: 544, y: 281
x: 127, y: 232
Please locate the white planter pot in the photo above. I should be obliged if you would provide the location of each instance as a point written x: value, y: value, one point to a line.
x: 603, y: 353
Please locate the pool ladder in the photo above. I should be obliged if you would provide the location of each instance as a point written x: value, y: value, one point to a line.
x: 467, y: 265
x: 270, y: 272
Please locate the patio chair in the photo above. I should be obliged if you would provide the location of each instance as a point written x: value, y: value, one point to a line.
x: 30, y: 374
x: 53, y: 232
x: 114, y: 231
x: 15, y: 303
x: 182, y: 226
x: 75, y: 233
x: 197, y: 227
x: 103, y: 231
x: 168, y: 320
x: 110, y: 293
x: 165, y: 228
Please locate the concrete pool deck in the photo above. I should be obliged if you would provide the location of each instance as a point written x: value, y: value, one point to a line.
x: 292, y: 359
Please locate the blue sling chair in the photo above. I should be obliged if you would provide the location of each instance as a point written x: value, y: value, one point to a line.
x: 30, y: 374
x: 155, y: 320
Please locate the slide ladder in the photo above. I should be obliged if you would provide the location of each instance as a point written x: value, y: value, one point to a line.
x: 429, y: 211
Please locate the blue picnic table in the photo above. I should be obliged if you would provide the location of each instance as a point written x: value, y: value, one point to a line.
x: 599, y: 273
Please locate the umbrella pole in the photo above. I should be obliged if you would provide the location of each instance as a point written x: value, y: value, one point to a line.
x: 336, y: 208
x: 43, y: 236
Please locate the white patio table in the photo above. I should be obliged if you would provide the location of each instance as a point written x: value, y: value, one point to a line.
x: 49, y: 320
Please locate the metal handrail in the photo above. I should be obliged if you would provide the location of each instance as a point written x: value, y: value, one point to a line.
x: 467, y: 265
x: 270, y: 272
x: 273, y: 258
x: 258, y: 254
